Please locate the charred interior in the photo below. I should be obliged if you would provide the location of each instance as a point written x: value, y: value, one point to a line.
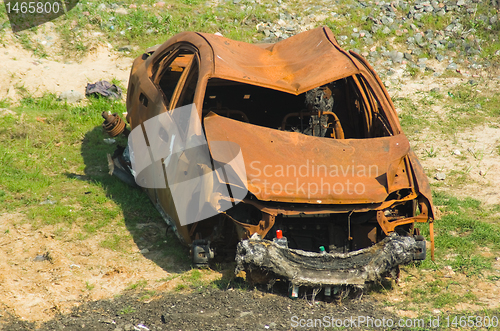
x: 346, y: 108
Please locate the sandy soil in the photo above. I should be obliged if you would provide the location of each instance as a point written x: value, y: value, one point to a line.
x: 21, y: 69
x: 75, y: 271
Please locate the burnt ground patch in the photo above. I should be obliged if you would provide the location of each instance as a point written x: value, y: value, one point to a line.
x: 206, y: 309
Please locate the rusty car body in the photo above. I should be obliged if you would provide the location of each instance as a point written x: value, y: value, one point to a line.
x: 344, y: 198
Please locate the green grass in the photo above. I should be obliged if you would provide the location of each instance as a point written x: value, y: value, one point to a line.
x: 127, y: 310
x: 139, y: 285
x: 54, y: 171
x: 461, y: 234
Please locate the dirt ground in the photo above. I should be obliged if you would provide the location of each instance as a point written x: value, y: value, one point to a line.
x: 20, y: 69
x: 208, y: 310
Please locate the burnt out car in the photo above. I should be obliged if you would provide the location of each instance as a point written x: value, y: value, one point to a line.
x: 325, y: 190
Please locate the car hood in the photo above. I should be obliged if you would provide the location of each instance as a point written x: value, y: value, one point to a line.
x: 293, y: 167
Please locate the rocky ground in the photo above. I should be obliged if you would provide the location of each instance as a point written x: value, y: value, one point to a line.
x: 449, y: 32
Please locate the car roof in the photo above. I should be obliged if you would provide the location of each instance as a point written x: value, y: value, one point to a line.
x: 294, y: 65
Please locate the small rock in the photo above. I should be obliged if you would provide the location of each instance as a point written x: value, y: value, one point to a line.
x: 121, y: 11
x: 159, y: 4
x: 246, y: 313
x: 101, y: 7
x: 439, y: 57
x: 440, y: 176
x: 452, y: 66
x: 71, y: 96
x: 448, y: 271
x: 436, y: 311
x: 457, y: 152
x: 126, y: 48
x: 144, y: 251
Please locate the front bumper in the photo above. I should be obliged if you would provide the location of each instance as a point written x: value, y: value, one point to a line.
x: 323, y: 269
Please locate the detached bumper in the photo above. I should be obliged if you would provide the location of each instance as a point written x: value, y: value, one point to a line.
x: 318, y: 269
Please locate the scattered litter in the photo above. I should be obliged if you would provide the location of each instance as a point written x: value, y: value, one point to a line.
x: 105, y: 89
x: 457, y: 152
x: 142, y: 327
x: 71, y: 96
x: 74, y: 266
x: 109, y: 141
x: 39, y: 258
x: 44, y: 257
x: 48, y: 202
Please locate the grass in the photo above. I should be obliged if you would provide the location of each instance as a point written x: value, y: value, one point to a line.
x: 465, y: 230
x: 54, y: 170
x: 127, y: 310
x: 139, y: 285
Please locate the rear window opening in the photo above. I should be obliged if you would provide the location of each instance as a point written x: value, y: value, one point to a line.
x: 344, y: 109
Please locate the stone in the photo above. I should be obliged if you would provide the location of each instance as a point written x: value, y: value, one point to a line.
x: 439, y: 57
x: 387, y: 20
x: 418, y: 38
x: 246, y: 313
x: 386, y: 30
x: 452, y: 66
x: 440, y: 176
x: 121, y: 11
x: 396, y: 57
x: 71, y: 96
x: 126, y: 48
x: 144, y: 251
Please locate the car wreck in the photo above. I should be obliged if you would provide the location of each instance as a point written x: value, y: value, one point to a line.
x: 325, y: 191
